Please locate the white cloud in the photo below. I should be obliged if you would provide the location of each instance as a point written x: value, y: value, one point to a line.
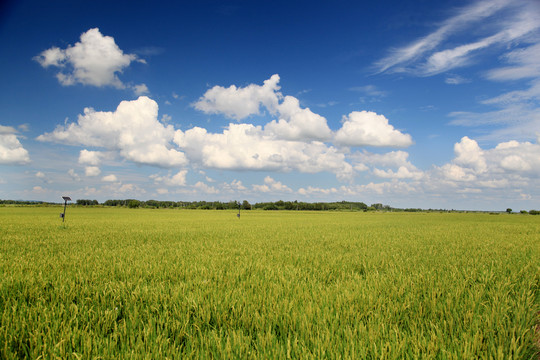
x: 271, y: 185
x: 39, y: 190
x: 92, y: 171
x: 509, y: 165
x: 95, y: 60
x: 296, y: 123
x: 239, y: 103
x: 525, y: 64
x: 515, y: 163
x: 140, y: 89
x: 204, y: 188
x: 517, y: 96
x: 133, y: 130
x: 366, y: 128
x: 23, y: 127
x: 518, y: 115
x: 5, y: 130
x: 310, y: 190
x: 117, y: 189
x: 234, y: 186
x: 469, y: 154
x: 179, y: 179
x: 397, y: 161
x: 455, y: 80
x: 74, y: 175
x: 248, y: 147
x: 11, y: 149
x: 508, y: 21
x: 457, y: 173
x: 392, y: 159
x: 87, y: 157
x: 401, y: 173
x: 40, y: 175
x: 293, y: 123
x: 109, y: 178
x: 370, y: 90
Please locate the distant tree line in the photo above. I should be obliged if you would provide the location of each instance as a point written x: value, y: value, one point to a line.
x: 21, y: 202
x: 244, y: 205
x: 85, y: 202
x: 156, y: 204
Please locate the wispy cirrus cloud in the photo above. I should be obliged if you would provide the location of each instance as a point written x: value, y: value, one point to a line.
x: 510, y: 30
x: 432, y: 54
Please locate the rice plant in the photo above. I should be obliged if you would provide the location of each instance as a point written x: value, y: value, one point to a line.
x: 120, y: 283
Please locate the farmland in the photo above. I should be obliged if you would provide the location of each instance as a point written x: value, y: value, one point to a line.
x: 159, y: 283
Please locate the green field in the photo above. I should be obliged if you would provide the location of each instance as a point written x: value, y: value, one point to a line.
x: 142, y: 283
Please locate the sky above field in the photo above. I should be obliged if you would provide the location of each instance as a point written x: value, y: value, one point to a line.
x: 432, y: 104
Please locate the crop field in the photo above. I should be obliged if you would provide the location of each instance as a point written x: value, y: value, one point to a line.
x: 117, y: 283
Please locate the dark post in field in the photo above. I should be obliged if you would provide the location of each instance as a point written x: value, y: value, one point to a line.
x: 63, y: 215
x: 239, y: 206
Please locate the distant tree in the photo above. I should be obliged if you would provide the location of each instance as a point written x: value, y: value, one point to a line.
x: 524, y: 212
x: 509, y: 210
x: 86, y: 202
x: 134, y: 204
x: 377, y: 206
x: 246, y: 205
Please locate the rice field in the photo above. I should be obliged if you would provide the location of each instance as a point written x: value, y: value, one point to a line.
x: 116, y: 283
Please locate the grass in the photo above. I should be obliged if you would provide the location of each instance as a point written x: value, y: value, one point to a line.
x: 140, y: 283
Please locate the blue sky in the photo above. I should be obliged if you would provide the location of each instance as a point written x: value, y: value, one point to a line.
x: 407, y: 103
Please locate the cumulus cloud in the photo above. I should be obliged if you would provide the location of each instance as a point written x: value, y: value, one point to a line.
x: 11, y: 149
x: 401, y: 173
x: 366, y: 128
x: 92, y: 171
x: 94, y: 60
x: 234, y: 186
x: 397, y: 162
x: 248, y: 147
x: 509, y: 163
x: 239, y: 103
x: 179, y: 179
x: 201, y: 187
x: 133, y: 130
x: 39, y: 190
x: 140, y: 89
x: 457, y: 173
x: 87, y: 157
x: 393, y: 159
x: 293, y: 122
x: 271, y: 185
x: 515, y: 163
x: 310, y: 190
x: 109, y: 178
x: 469, y: 154
x: 296, y: 123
